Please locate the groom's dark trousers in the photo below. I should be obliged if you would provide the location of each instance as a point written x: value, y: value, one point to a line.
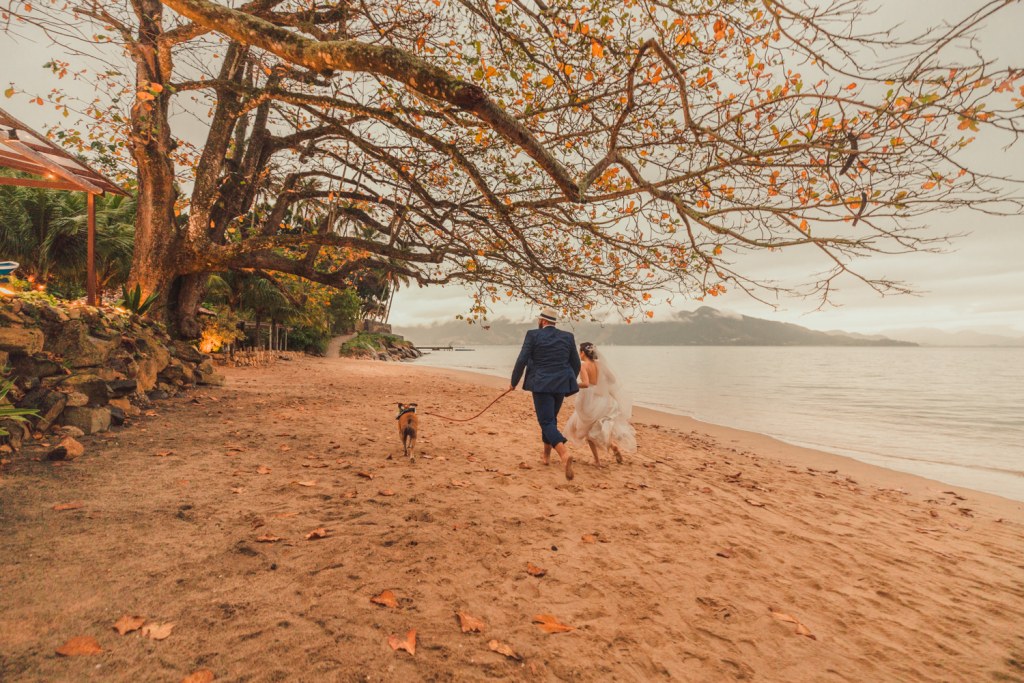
x: 551, y: 363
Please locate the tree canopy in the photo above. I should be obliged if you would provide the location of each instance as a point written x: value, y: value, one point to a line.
x: 572, y: 154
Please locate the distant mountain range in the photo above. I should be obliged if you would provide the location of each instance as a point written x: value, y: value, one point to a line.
x: 703, y: 327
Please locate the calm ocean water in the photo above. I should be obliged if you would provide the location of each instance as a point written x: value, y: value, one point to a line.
x: 956, y: 415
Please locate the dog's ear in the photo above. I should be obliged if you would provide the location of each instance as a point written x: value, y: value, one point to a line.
x: 400, y: 406
x: 413, y: 405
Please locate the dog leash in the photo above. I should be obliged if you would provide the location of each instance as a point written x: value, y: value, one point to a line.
x: 452, y: 419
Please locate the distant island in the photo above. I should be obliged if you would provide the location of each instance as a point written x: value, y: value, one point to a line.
x: 704, y: 327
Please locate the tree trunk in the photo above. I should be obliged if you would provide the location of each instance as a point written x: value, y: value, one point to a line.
x: 193, y: 289
x: 271, y: 341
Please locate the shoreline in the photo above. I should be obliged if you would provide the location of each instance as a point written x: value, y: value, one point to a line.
x: 781, y: 451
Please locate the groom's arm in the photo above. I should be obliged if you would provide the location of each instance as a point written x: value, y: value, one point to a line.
x: 574, y: 358
x: 521, y: 362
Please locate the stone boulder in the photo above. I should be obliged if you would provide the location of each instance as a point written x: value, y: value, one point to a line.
x: 47, y: 403
x: 211, y: 378
x: 92, y: 386
x: 122, y: 387
x: 20, y: 341
x: 90, y: 420
x: 125, y: 405
x: 77, y: 399
x: 187, y: 352
x: 154, y: 350
x: 66, y: 450
x: 206, y: 366
x: 38, y: 365
x: 80, y: 350
x: 147, y: 372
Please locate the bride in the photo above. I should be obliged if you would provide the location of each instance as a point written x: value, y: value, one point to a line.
x: 603, y: 409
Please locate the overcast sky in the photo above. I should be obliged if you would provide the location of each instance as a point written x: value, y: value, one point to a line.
x: 979, y: 284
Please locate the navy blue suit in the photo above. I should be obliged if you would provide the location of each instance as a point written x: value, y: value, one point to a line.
x: 551, y: 363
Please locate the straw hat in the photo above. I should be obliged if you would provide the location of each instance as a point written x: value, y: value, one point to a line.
x: 549, y: 314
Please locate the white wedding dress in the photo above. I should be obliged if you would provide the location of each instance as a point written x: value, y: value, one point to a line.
x: 602, y: 414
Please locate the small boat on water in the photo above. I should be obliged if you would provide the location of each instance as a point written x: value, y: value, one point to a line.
x: 465, y: 349
x: 8, y: 267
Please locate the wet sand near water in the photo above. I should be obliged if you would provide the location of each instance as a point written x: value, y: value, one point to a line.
x: 667, y: 567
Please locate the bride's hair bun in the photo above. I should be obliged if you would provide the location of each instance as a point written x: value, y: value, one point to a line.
x: 588, y: 350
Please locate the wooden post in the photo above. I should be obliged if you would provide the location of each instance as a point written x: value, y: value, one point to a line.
x: 90, y: 276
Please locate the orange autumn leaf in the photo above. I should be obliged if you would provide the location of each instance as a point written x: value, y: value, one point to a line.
x: 548, y: 81
x: 366, y: 474
x: 550, y: 624
x: 305, y: 483
x: 386, y: 492
x: 456, y: 482
x: 157, y: 631
x: 69, y: 506
x: 589, y: 538
x: 128, y: 623
x: 802, y: 630
x: 268, y: 538
x: 201, y: 676
x: 79, y: 646
x: 502, y: 648
x: 928, y: 186
x: 534, y: 570
x: 387, y: 598
x: 262, y: 470
x: 596, y: 50
x: 783, y: 617
x: 407, y: 643
x: 319, y: 532
x: 286, y: 514
x: 469, y: 623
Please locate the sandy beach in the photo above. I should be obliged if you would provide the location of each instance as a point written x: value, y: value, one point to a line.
x: 667, y: 567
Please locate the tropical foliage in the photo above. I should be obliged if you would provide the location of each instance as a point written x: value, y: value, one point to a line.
x: 45, y: 231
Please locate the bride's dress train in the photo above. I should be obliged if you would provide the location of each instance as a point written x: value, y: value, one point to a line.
x: 602, y: 414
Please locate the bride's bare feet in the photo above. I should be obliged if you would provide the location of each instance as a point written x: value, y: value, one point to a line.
x: 618, y: 454
x: 569, y: 474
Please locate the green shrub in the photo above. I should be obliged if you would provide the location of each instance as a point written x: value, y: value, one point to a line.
x: 8, y: 411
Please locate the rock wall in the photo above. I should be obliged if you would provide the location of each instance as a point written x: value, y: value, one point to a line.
x: 89, y: 368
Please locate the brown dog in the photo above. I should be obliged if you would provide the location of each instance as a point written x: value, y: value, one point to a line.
x: 407, y: 426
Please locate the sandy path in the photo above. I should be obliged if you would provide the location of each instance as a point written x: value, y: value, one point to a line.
x: 894, y: 587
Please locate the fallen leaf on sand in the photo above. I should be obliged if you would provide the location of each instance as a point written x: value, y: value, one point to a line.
x: 549, y: 624
x: 5, y: 462
x: 387, y: 598
x: 257, y: 523
x: 534, y: 570
x: 705, y: 490
x: 305, y: 483
x: 286, y: 514
x: 469, y: 623
x: 502, y: 648
x: 589, y: 538
x: 262, y: 470
x: 386, y: 492
x: 602, y: 486
x: 726, y: 553
x: 286, y: 448
x: 318, y: 465
x: 238, y: 490
x: 960, y: 528
x: 267, y: 538
x: 235, y: 474
x: 632, y: 486
x: 536, y: 487
x: 69, y: 506
x: 129, y: 623
x: 319, y: 532
x: 784, y: 617
x: 472, y: 459
x: 366, y: 474
x: 80, y: 645
x: 163, y: 454
x: 183, y: 483
x: 802, y: 630
x: 933, y: 532
x: 407, y: 643
x: 349, y: 494
x: 755, y: 503
x: 524, y: 466
x: 456, y: 482
x: 201, y: 676
x: 157, y: 631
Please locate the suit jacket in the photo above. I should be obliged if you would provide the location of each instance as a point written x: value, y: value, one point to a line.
x: 551, y: 362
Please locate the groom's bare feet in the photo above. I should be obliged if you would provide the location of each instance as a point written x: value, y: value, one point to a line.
x: 569, y: 474
x: 547, y: 455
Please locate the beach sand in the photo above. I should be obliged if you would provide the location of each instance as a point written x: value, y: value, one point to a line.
x: 667, y: 567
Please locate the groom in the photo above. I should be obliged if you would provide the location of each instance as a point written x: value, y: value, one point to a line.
x: 551, y: 363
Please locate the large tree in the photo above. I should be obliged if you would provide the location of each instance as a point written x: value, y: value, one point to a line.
x: 576, y: 154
